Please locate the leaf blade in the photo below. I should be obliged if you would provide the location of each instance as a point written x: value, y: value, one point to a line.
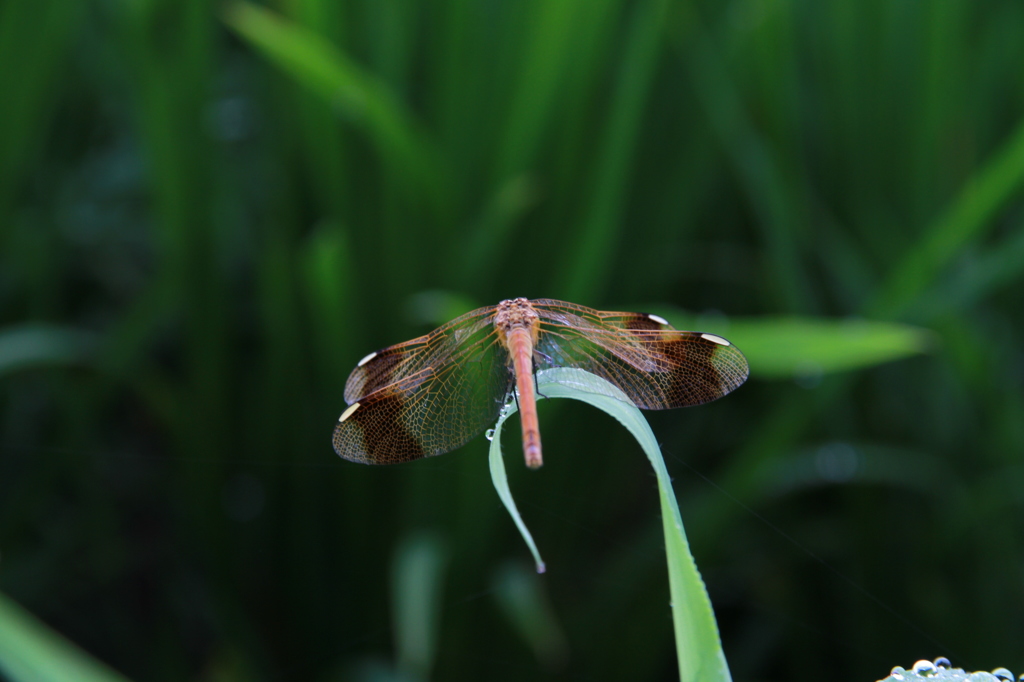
x: 698, y: 646
x: 32, y: 652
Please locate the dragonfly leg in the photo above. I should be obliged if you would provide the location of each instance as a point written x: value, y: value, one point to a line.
x: 536, y: 385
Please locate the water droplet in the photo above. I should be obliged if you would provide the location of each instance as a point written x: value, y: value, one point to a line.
x: 942, y: 662
x: 1003, y: 674
x: 924, y: 668
x: 508, y: 408
x: 897, y: 673
x: 489, y: 434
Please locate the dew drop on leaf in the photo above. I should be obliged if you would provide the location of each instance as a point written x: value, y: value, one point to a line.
x: 924, y: 668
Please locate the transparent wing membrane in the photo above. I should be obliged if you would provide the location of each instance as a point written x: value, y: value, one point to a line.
x: 656, y: 366
x: 433, y: 394
x: 427, y: 396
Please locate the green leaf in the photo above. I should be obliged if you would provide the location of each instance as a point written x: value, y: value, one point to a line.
x: 594, y: 247
x: 32, y: 652
x: 31, y: 345
x: 521, y: 598
x: 795, y: 347
x: 500, y: 480
x: 34, y: 38
x: 320, y: 66
x: 417, y: 582
x: 698, y: 646
x: 788, y: 347
x: 967, y: 218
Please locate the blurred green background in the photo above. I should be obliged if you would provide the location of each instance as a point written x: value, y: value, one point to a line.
x: 209, y: 212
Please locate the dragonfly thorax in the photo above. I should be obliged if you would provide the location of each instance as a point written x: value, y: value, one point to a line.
x: 516, y: 313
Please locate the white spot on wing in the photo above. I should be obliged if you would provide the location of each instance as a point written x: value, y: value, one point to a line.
x: 348, y: 413
x: 715, y: 339
x: 365, y: 360
x: 658, y: 319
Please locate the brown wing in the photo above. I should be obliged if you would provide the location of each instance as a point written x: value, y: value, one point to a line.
x: 426, y: 396
x: 655, y: 365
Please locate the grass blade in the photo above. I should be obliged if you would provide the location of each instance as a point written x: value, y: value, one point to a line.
x: 785, y: 347
x: 417, y: 582
x: 521, y: 597
x: 698, y: 646
x: 28, y: 346
x: 320, y: 66
x: 594, y: 248
x: 500, y: 480
x: 967, y: 218
x: 34, y: 35
x: 32, y: 652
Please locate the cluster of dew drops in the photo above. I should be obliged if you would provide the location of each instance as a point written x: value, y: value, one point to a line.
x: 506, y: 408
x: 941, y: 669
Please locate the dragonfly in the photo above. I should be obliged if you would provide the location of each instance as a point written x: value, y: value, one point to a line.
x: 433, y: 394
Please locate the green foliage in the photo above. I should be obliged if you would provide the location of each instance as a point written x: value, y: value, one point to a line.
x: 807, y: 348
x: 209, y: 213
x: 31, y: 652
x: 416, y: 589
x: 698, y: 648
x: 31, y: 346
x: 357, y: 96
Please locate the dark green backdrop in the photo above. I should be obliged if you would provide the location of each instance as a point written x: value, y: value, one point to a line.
x: 210, y: 211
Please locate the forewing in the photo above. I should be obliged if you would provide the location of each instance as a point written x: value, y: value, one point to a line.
x: 657, y: 366
x: 393, y: 364
x: 425, y: 397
